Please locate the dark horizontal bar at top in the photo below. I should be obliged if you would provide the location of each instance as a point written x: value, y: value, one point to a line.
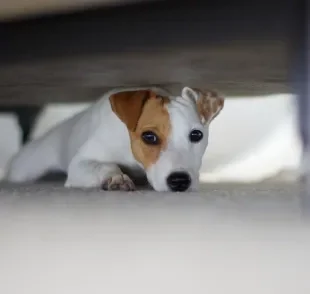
x: 15, y: 10
x: 145, y: 26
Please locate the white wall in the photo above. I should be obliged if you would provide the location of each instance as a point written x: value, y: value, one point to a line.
x: 253, y: 139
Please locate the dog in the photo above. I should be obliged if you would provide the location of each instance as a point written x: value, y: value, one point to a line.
x: 145, y: 131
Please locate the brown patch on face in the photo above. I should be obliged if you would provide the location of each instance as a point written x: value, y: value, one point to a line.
x: 128, y: 106
x: 209, y: 105
x: 154, y: 118
x: 143, y: 111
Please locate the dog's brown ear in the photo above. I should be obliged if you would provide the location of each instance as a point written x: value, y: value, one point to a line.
x: 209, y: 103
x: 128, y: 106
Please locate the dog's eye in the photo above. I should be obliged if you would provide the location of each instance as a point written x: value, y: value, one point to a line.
x: 195, y: 136
x: 150, y: 138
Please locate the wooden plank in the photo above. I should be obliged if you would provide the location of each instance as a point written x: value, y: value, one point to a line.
x: 18, y: 9
x: 240, y: 48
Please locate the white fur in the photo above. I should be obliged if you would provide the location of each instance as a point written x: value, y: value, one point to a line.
x: 93, y: 144
x: 181, y: 154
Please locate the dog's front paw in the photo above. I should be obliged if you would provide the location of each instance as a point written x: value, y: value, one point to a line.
x: 119, y: 182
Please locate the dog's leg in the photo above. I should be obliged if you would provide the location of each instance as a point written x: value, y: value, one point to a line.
x: 94, y: 174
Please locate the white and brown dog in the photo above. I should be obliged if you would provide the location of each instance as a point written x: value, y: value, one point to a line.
x: 142, y: 131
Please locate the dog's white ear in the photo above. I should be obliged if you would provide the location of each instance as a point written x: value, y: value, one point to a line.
x: 190, y: 93
x: 209, y: 103
x: 128, y: 106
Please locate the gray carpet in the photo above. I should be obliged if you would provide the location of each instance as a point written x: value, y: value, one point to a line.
x: 225, y: 239
x: 251, y: 199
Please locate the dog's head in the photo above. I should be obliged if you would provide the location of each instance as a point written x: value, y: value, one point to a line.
x: 168, y: 135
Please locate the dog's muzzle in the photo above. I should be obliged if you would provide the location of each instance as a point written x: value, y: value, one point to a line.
x: 179, y: 181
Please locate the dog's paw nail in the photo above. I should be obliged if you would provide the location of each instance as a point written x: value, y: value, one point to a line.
x: 118, y: 182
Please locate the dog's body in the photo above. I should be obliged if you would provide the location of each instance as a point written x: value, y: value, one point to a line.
x: 131, y: 128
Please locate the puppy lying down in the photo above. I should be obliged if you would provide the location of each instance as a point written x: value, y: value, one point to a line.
x: 146, y: 132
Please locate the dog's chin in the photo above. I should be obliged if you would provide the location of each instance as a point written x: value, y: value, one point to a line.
x: 158, y: 186
x: 155, y: 183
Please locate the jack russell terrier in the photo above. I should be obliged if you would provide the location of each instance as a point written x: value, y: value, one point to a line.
x: 146, y: 132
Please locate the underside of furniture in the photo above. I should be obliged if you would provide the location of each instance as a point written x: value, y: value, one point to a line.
x: 237, y: 47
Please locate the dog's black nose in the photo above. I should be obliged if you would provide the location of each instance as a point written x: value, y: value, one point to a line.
x: 179, y: 181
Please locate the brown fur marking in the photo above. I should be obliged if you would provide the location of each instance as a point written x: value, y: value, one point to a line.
x: 209, y: 104
x: 128, y: 106
x: 141, y: 113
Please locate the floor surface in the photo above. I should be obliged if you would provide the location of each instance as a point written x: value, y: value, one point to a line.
x: 224, y: 239
x: 264, y: 198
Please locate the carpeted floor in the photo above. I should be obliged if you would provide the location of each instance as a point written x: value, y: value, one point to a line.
x: 224, y: 239
x: 251, y: 199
